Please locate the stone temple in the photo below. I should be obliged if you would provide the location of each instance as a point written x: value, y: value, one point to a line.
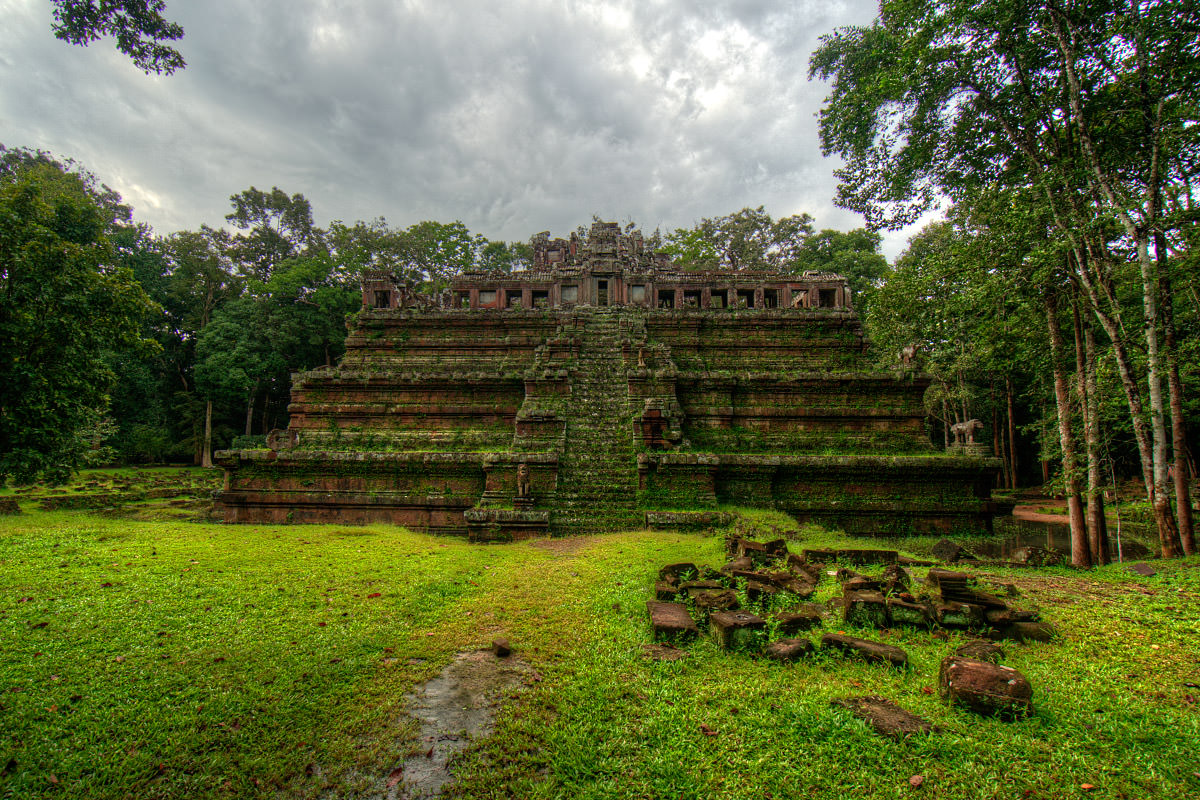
x: 599, y: 390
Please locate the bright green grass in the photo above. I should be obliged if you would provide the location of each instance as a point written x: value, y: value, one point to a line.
x: 204, y: 671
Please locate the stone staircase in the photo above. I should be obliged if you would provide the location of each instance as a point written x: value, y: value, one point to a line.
x: 598, y: 479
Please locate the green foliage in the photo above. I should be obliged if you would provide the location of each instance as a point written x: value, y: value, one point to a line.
x: 64, y: 300
x: 137, y: 25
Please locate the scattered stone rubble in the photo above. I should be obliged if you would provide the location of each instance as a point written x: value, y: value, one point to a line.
x: 770, y: 577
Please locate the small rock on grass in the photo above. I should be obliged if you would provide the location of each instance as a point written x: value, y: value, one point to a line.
x: 985, y: 688
x: 887, y: 718
x: 1030, y: 632
x: 1143, y: 569
x: 671, y: 621
x: 736, y: 630
x: 501, y: 648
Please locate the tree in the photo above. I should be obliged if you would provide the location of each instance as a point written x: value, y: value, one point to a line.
x: 64, y: 301
x: 1090, y: 105
x: 278, y: 226
x: 746, y: 239
x: 854, y: 255
x: 138, y: 26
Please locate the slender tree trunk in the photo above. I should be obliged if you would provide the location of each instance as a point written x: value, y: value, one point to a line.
x: 250, y: 409
x: 206, y: 456
x: 946, y: 422
x: 1012, y: 435
x: 1097, y: 523
x: 1183, y: 499
x: 998, y: 442
x: 1081, y: 395
x: 1080, y: 554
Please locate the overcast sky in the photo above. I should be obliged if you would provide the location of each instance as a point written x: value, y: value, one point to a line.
x: 513, y: 117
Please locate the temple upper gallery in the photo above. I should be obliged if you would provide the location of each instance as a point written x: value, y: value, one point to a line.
x: 607, y: 388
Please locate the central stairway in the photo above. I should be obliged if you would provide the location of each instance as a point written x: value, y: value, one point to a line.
x: 598, y: 476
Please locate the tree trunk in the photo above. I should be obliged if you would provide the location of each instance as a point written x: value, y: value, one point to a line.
x: 946, y: 422
x: 1080, y: 553
x: 206, y: 456
x: 250, y: 409
x: 1183, y: 499
x: 1097, y: 524
x: 1012, y: 435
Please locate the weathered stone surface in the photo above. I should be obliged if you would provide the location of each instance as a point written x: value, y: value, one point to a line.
x: 789, y: 649
x: 762, y: 553
x: 959, y: 615
x: 501, y: 648
x: 863, y: 648
x: 688, y: 586
x: 761, y: 591
x: 1035, y: 556
x: 674, y: 573
x: 666, y: 592
x: 9, y: 506
x: 865, y: 609
x: 946, y: 580
x: 985, y: 688
x: 895, y: 579
x: 736, y: 630
x: 857, y: 557
x: 910, y: 613
x: 736, y: 565
x: 671, y: 621
x: 1143, y: 569
x: 1030, y: 632
x: 798, y: 620
x: 885, y: 717
x: 949, y: 552
x: 709, y: 601
x: 789, y: 582
x: 860, y: 583
x: 799, y: 567
x: 1003, y: 617
x: 981, y: 651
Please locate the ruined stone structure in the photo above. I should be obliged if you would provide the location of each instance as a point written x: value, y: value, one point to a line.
x: 599, y: 386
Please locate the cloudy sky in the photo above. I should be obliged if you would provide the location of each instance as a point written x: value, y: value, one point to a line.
x: 513, y: 117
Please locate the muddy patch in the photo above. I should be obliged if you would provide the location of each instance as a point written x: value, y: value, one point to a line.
x: 453, y: 709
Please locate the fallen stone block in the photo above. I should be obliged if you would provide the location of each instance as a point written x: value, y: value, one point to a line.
x: 9, y: 506
x: 674, y: 573
x: 789, y: 649
x: 949, y: 552
x: 895, y: 579
x: 736, y: 630
x: 796, y: 621
x: 959, y: 615
x: 1004, y: 617
x: 742, y: 564
x: 501, y: 648
x: 857, y: 557
x: 762, y: 552
x: 946, y: 580
x: 985, y: 688
x: 671, y: 621
x: 666, y: 592
x: 865, y: 609
x: 871, y: 651
x: 710, y: 601
x: 1030, y: 632
x: 761, y: 591
x: 799, y: 567
x: 910, y: 613
x: 1143, y: 569
x: 981, y: 651
x: 885, y: 717
x: 688, y: 586
x: 788, y: 582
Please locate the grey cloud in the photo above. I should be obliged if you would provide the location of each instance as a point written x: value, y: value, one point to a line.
x: 513, y: 117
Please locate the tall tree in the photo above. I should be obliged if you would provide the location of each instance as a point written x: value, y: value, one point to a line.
x: 277, y: 226
x: 1086, y: 103
x: 64, y: 301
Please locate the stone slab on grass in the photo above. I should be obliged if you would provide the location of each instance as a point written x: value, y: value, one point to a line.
x: 985, y: 688
x: 736, y: 630
x: 912, y: 614
x: 671, y: 621
x: 959, y: 615
x: 887, y: 718
x: 674, y: 573
x: 1143, y: 569
x: 866, y: 609
x: 665, y: 592
x: 877, y: 652
x: 789, y: 649
x: 804, y: 618
x: 1030, y: 632
x: 710, y: 601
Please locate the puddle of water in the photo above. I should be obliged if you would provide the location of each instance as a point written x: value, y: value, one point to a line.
x: 453, y: 709
x: 1013, y: 533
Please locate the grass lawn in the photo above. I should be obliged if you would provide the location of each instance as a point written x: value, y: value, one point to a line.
x: 166, y: 658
